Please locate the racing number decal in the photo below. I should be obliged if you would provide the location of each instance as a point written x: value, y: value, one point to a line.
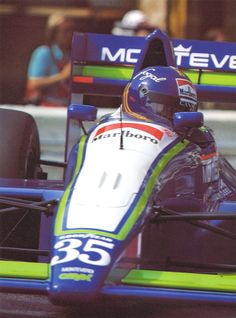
x: 70, y: 247
x: 95, y: 252
x: 105, y: 257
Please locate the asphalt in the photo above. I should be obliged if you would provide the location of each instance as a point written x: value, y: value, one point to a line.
x: 31, y: 306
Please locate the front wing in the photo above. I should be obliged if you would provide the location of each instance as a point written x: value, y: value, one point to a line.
x: 148, y: 284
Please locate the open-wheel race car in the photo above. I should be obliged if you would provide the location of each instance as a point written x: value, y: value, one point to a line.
x: 147, y: 205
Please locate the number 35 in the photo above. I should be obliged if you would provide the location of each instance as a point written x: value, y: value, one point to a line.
x: 71, y: 248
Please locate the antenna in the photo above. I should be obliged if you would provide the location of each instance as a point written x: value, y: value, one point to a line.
x: 121, y: 130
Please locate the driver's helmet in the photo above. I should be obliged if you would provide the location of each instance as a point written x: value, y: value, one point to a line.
x: 161, y: 90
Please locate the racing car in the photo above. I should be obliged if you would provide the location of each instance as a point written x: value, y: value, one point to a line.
x: 147, y: 205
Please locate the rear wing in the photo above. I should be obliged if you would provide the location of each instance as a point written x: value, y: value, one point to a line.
x: 103, y: 64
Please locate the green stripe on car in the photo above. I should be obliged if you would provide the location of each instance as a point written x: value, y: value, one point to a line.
x: 125, y: 73
x: 150, y: 184
x: 195, y: 281
x: 15, y: 269
x: 64, y: 199
x: 110, y: 72
x: 139, y: 207
x: 211, y: 78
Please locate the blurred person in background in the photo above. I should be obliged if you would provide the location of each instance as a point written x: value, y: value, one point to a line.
x: 134, y: 22
x: 49, y: 67
x: 215, y: 34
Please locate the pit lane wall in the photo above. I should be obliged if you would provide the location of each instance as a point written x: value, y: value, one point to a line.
x: 52, y: 131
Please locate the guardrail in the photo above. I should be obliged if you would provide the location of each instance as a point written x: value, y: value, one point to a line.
x: 52, y: 129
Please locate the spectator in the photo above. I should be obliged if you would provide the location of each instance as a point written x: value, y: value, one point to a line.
x: 49, y: 66
x: 215, y: 34
x: 134, y: 22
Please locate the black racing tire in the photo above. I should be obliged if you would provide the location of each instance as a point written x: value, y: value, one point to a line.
x: 20, y: 155
x: 19, y: 144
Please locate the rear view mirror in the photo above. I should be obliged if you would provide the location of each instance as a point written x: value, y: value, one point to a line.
x: 186, y: 120
x: 82, y: 112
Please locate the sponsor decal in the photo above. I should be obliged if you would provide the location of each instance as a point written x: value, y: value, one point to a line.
x: 77, y: 270
x: 185, y: 56
x: 122, y: 55
x: 85, y: 236
x: 187, y: 93
x: 147, y: 74
x: 186, y: 89
x: 108, y: 132
x: 76, y: 276
x: 126, y: 133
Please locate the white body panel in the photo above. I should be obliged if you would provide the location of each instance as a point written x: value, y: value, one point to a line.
x: 111, y: 177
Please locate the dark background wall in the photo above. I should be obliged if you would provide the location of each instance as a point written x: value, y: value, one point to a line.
x: 19, y: 36
x: 203, y: 15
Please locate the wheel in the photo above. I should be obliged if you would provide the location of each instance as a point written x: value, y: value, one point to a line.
x: 20, y: 155
x: 19, y: 144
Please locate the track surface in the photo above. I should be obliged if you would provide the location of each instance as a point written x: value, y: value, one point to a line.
x: 29, y: 306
